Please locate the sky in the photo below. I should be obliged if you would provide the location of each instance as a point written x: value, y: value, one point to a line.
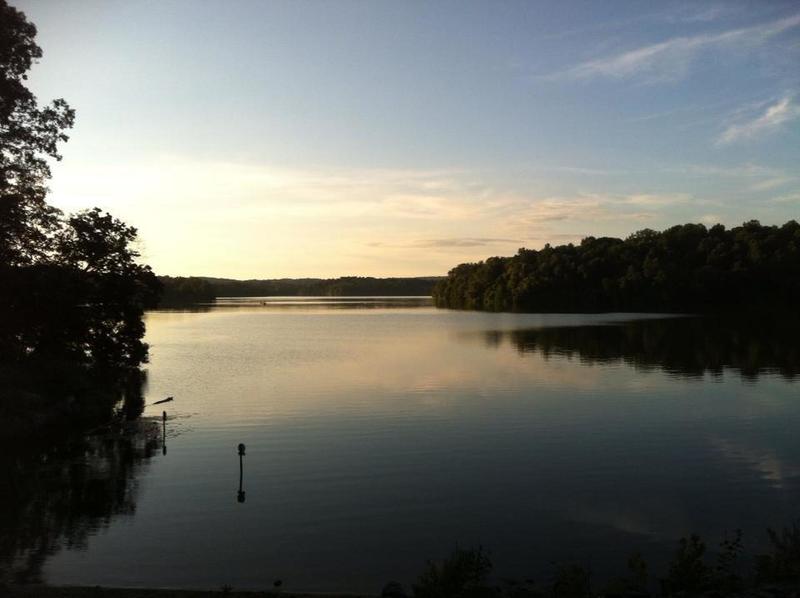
x: 258, y: 139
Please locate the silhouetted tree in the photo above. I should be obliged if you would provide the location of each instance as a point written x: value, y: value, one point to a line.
x: 115, y: 289
x: 783, y: 563
x: 72, y: 294
x: 29, y: 135
x: 687, y: 571
x: 462, y: 575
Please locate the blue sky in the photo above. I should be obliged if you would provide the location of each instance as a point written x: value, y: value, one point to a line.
x: 269, y: 139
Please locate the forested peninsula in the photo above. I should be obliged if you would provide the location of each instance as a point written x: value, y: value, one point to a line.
x: 195, y: 289
x: 685, y: 268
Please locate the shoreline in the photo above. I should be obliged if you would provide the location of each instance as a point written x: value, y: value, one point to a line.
x: 48, y: 591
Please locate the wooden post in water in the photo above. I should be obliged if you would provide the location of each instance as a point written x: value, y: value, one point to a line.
x: 240, y: 493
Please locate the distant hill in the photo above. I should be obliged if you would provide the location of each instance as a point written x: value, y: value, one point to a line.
x: 684, y: 268
x: 202, y: 288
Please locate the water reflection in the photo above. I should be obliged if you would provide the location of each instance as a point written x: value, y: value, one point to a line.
x: 59, y: 498
x: 377, y: 439
x: 683, y: 346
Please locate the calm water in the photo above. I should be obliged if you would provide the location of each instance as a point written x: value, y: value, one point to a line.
x: 381, y: 433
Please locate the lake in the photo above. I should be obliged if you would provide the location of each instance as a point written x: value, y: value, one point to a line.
x: 381, y: 433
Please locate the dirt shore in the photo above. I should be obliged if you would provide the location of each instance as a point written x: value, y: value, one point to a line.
x: 43, y: 591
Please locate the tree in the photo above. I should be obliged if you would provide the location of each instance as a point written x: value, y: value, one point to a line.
x: 72, y: 293
x: 116, y: 289
x: 29, y: 135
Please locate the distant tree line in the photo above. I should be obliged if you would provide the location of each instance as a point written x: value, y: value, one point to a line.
x: 72, y: 292
x: 179, y: 290
x: 684, y: 268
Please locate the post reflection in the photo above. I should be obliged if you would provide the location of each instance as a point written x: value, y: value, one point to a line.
x: 163, y: 432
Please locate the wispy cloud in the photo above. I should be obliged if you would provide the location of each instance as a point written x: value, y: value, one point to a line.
x: 580, y: 170
x: 772, y: 183
x: 686, y: 14
x: 776, y: 115
x: 450, y: 242
x: 711, y: 219
x: 669, y: 60
x: 534, y: 218
x: 787, y: 198
x: 747, y: 170
x: 705, y: 14
x: 744, y: 177
x: 402, y: 221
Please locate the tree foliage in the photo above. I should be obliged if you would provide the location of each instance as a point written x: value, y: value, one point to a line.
x: 462, y: 575
x: 684, y: 268
x: 783, y: 563
x: 29, y: 136
x: 72, y: 292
